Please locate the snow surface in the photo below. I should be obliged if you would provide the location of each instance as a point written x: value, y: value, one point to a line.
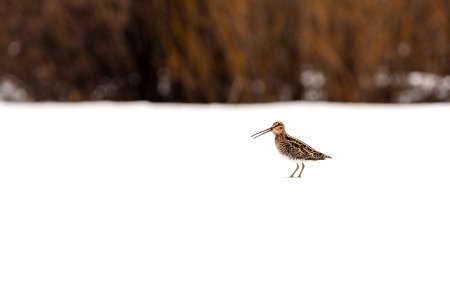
x: 146, y: 201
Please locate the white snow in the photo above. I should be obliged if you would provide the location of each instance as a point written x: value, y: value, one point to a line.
x: 11, y: 91
x: 146, y: 201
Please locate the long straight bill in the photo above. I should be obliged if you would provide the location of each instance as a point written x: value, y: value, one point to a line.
x: 258, y: 134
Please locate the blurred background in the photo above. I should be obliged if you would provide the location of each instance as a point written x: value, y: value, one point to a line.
x: 235, y: 51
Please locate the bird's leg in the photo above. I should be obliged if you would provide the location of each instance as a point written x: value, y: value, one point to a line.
x: 294, y: 171
x: 301, y: 171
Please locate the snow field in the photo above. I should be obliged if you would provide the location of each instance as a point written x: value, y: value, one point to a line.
x: 144, y: 201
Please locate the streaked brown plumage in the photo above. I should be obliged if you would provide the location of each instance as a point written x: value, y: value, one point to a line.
x: 292, y: 148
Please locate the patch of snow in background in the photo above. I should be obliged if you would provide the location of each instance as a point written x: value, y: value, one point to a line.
x: 10, y: 91
x: 423, y: 85
x: 142, y: 201
x: 413, y: 87
x: 313, y: 83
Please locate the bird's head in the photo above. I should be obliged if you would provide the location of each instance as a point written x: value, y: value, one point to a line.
x: 277, y: 128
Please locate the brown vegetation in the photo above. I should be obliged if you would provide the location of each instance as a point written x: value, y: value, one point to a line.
x: 223, y: 51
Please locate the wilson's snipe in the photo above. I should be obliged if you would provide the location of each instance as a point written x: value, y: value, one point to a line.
x: 291, y: 148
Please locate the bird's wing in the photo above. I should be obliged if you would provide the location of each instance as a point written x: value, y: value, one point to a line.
x: 301, y: 150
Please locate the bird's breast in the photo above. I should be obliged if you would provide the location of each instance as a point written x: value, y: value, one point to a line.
x: 284, y: 149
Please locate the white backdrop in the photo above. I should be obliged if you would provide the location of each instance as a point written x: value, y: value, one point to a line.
x: 145, y: 201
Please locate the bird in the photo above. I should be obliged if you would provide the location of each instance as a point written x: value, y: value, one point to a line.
x: 291, y: 148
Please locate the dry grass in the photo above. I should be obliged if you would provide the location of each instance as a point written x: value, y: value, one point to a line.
x: 220, y: 51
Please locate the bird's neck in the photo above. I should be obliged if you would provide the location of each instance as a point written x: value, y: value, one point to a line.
x: 280, y: 136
